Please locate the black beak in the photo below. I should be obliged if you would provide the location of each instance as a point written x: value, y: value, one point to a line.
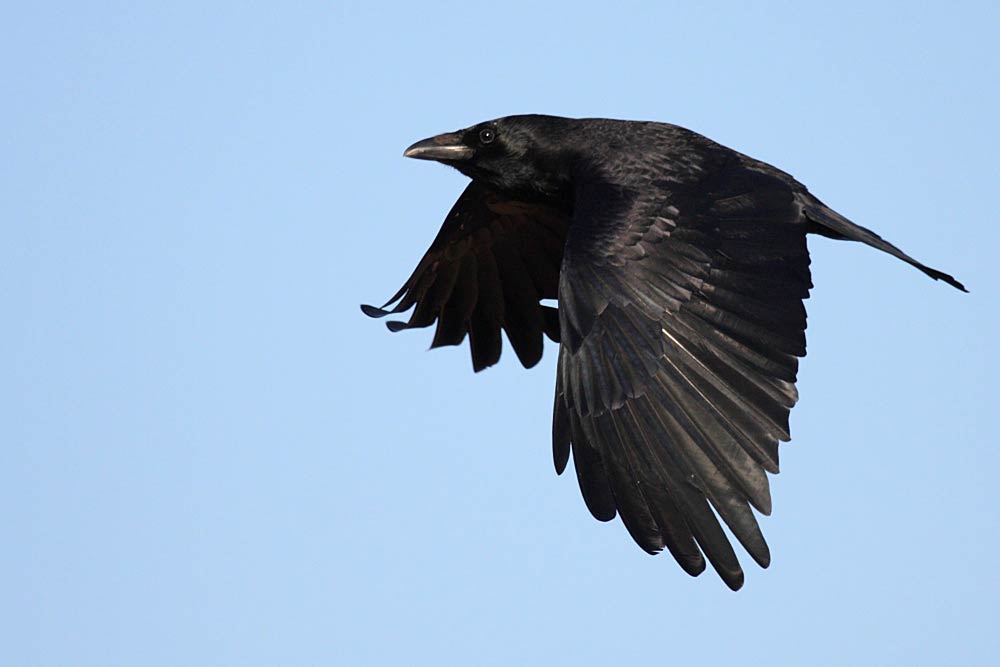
x: 442, y: 147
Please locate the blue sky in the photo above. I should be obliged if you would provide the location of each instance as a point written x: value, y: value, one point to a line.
x: 212, y: 458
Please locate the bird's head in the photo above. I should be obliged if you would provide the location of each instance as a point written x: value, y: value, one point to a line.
x: 525, y: 156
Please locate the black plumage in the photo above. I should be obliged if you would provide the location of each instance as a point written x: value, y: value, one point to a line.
x: 680, y: 268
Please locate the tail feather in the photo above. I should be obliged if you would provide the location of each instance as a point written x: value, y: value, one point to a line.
x: 828, y: 222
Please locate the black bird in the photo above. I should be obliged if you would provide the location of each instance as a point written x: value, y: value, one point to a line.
x: 680, y: 268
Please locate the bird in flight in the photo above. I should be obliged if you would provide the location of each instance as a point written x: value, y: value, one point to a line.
x: 679, y: 267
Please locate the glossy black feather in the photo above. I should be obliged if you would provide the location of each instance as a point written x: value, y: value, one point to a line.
x: 680, y: 269
x: 493, y: 261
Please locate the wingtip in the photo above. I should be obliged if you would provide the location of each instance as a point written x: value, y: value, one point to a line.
x: 372, y: 311
x: 696, y: 568
x: 730, y: 573
x: 733, y: 579
x: 560, y: 455
x: 762, y: 556
x: 561, y: 437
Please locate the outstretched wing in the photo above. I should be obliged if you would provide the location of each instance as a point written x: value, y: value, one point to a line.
x: 682, y: 320
x: 488, y: 268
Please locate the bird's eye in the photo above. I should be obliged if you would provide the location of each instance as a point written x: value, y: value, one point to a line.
x: 486, y: 135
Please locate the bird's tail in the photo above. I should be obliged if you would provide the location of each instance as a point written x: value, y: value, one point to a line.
x: 829, y: 223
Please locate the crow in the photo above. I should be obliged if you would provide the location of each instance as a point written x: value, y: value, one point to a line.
x: 679, y: 267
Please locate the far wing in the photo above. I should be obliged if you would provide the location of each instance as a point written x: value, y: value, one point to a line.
x: 682, y: 320
x: 492, y: 262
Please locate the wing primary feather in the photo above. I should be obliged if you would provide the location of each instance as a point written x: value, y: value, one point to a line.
x: 560, y: 432
x: 484, y: 273
x: 728, y: 493
x: 673, y: 527
x: 591, y: 473
x: 484, y: 329
x: 550, y: 320
x: 702, y: 522
x: 522, y: 320
x: 626, y: 485
x: 453, y: 322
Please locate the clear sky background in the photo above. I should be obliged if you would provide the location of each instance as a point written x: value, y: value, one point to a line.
x: 210, y: 457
